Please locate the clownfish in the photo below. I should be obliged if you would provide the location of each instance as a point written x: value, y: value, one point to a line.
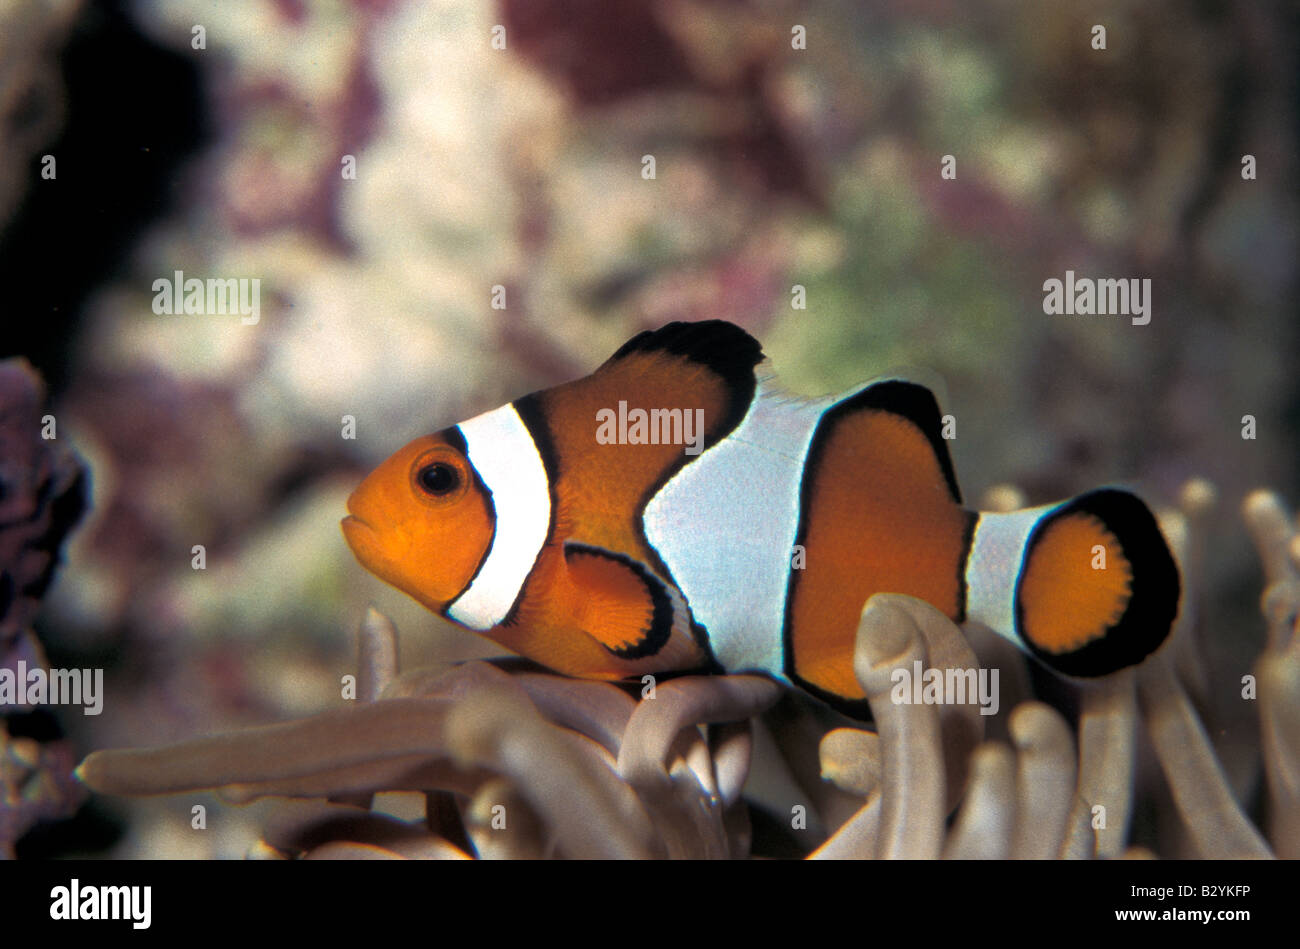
x: 723, y: 525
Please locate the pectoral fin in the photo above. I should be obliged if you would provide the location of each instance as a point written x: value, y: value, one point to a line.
x: 624, y: 605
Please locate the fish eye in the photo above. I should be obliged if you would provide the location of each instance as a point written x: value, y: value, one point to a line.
x: 439, y: 479
x: 439, y: 476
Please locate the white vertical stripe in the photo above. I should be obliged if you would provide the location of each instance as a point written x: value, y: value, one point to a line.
x: 725, y: 525
x: 502, y: 451
x: 993, y: 568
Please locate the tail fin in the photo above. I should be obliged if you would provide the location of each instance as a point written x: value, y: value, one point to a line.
x: 1088, y: 586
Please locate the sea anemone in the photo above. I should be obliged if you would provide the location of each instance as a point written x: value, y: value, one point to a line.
x: 511, y: 761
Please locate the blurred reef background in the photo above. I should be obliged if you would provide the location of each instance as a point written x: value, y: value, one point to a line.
x: 521, y: 168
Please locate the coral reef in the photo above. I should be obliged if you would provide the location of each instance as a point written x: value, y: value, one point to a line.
x: 36, y: 784
x: 43, y: 494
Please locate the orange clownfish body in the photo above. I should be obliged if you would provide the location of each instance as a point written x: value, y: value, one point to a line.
x: 643, y: 519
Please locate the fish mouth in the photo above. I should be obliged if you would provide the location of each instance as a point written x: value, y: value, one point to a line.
x: 360, y: 536
x: 354, y: 523
x: 369, y: 546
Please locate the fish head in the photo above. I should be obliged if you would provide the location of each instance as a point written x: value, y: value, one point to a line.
x: 423, y: 520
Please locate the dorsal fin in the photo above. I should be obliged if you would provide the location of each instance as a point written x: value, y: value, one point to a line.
x: 917, y: 405
x: 721, y: 346
x: 696, y: 376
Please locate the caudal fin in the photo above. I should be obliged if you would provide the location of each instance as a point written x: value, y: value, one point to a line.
x: 1088, y: 586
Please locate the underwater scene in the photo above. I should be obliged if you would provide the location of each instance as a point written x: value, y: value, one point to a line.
x: 705, y: 429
